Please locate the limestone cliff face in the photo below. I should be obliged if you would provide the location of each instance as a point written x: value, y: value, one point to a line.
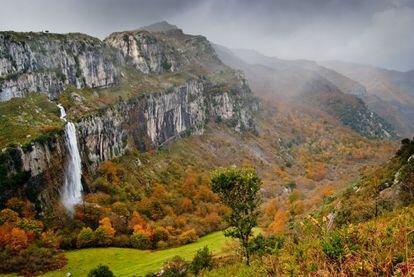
x: 166, y: 51
x: 142, y: 123
x: 33, y: 170
x: 144, y: 52
x: 48, y: 63
x: 39, y: 156
x: 151, y: 120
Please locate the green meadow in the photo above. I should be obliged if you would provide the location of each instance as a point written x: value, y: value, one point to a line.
x: 133, y: 262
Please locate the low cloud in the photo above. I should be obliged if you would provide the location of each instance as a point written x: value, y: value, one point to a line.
x: 376, y: 32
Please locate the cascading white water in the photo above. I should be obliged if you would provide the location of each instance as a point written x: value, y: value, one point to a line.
x: 72, y: 188
x: 62, y: 112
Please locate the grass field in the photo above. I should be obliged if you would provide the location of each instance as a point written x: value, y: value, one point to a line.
x: 24, y: 119
x: 133, y: 262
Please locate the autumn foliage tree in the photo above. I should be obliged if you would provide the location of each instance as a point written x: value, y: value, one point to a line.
x: 85, y: 238
x: 110, y: 171
x: 104, y: 233
x: 17, y: 239
x: 238, y: 189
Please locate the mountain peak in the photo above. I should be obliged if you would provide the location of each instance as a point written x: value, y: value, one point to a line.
x: 161, y: 27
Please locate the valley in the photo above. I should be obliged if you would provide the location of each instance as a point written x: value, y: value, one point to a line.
x: 124, y: 179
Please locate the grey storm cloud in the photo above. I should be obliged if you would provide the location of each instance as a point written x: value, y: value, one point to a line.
x: 377, y: 32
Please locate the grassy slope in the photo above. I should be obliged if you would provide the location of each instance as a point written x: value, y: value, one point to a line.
x: 133, y: 262
x: 377, y: 245
x: 22, y: 119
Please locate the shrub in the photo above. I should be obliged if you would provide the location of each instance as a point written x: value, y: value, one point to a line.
x: 91, y: 214
x: 8, y: 215
x: 17, y: 240
x: 15, y: 204
x: 177, y: 267
x: 333, y: 247
x: 291, y: 185
x: 160, y: 234
x: 27, y: 224
x: 161, y: 244
x: 166, y: 65
x: 104, y: 233
x: 101, y: 237
x: 49, y: 239
x: 202, y: 260
x: 67, y: 240
x: 101, y: 271
x: 31, y: 261
x: 120, y: 209
x: 121, y: 241
x: 85, y: 238
x: 188, y: 236
x: 140, y: 240
x: 261, y: 245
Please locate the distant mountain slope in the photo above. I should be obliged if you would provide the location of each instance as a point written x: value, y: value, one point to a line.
x: 309, y: 84
x: 350, y: 110
x: 309, y: 68
x: 162, y: 26
x: 390, y: 93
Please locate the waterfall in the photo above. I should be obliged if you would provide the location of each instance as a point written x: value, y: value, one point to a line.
x: 72, y: 188
x: 62, y: 112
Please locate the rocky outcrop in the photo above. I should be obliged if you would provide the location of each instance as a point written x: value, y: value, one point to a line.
x: 401, y: 191
x: 144, y: 51
x: 33, y: 170
x: 43, y: 62
x: 163, y: 51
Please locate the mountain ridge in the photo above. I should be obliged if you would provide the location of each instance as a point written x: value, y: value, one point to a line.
x: 389, y: 92
x: 306, y: 81
x: 162, y: 26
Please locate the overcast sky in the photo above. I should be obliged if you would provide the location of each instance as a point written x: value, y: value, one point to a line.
x: 377, y: 32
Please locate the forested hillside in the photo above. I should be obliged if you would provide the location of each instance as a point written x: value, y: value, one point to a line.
x: 112, y: 143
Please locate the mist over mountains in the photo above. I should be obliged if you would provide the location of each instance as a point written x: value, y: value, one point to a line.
x: 152, y: 151
x: 385, y: 92
x: 371, y: 32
